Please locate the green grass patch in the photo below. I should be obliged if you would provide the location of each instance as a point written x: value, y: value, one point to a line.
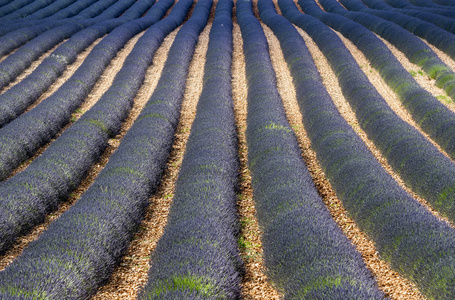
x: 444, y: 98
x: 192, y: 283
x: 274, y: 126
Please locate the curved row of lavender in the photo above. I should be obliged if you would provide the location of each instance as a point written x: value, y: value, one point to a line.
x: 408, y: 8
x: 406, y: 235
x: 422, y: 167
x: 413, y: 47
x: 81, y: 9
x: 15, y: 100
x: 27, y: 9
x: 444, y: 22
x: 42, y: 123
x: 30, y: 195
x: 23, y: 57
x: 306, y: 254
x: 78, y: 252
x: 10, y: 7
x: 423, y: 5
x: 197, y: 257
x: 49, y: 10
x: 440, y: 38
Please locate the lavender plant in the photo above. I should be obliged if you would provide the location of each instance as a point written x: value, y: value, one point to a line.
x: 15, y: 100
x: 306, y: 254
x: 421, y: 165
x: 12, y: 6
x: 444, y: 22
x: 43, y: 122
x: 113, y: 206
x: 82, y: 9
x: 406, y: 235
x: 440, y: 38
x: 27, y: 10
x: 17, y: 62
x: 197, y: 256
x: 47, y: 11
x: 36, y: 191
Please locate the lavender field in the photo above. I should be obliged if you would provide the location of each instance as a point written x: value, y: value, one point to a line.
x: 220, y: 149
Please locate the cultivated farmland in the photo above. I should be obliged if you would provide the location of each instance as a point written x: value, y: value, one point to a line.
x: 220, y: 149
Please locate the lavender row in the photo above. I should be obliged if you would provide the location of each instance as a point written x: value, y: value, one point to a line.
x: 30, y: 195
x: 57, y: 10
x: 306, y: 254
x: 17, y: 62
x: 422, y: 167
x: 49, y: 10
x: 79, y: 251
x: 423, y: 5
x: 4, y: 2
x: 197, y: 256
x: 12, y: 6
x: 406, y: 235
x: 440, y: 38
x: 415, y: 50
x: 27, y: 10
x: 82, y: 9
x: 444, y: 22
x: 42, y: 123
x: 15, y: 100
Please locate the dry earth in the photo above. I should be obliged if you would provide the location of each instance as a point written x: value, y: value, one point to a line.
x: 131, y: 272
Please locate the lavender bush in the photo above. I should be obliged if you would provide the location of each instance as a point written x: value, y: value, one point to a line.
x: 306, y: 254
x: 16, y: 99
x: 197, y: 256
x: 421, y: 165
x: 51, y: 177
x: 43, y: 122
x: 406, y: 235
x: 440, y: 38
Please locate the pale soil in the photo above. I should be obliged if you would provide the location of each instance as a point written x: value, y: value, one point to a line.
x: 132, y: 271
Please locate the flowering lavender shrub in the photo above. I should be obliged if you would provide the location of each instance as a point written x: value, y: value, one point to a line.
x: 444, y: 22
x: 16, y: 99
x: 44, y: 121
x: 414, y: 49
x: 12, y: 6
x: 197, y: 256
x: 17, y: 62
x: 306, y: 254
x: 113, y: 206
x: 440, y: 38
x: 27, y: 10
x: 14, y: 64
x: 406, y: 235
x: 423, y: 5
x: 47, y: 11
x: 82, y: 9
x: 421, y: 165
x: 62, y: 166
